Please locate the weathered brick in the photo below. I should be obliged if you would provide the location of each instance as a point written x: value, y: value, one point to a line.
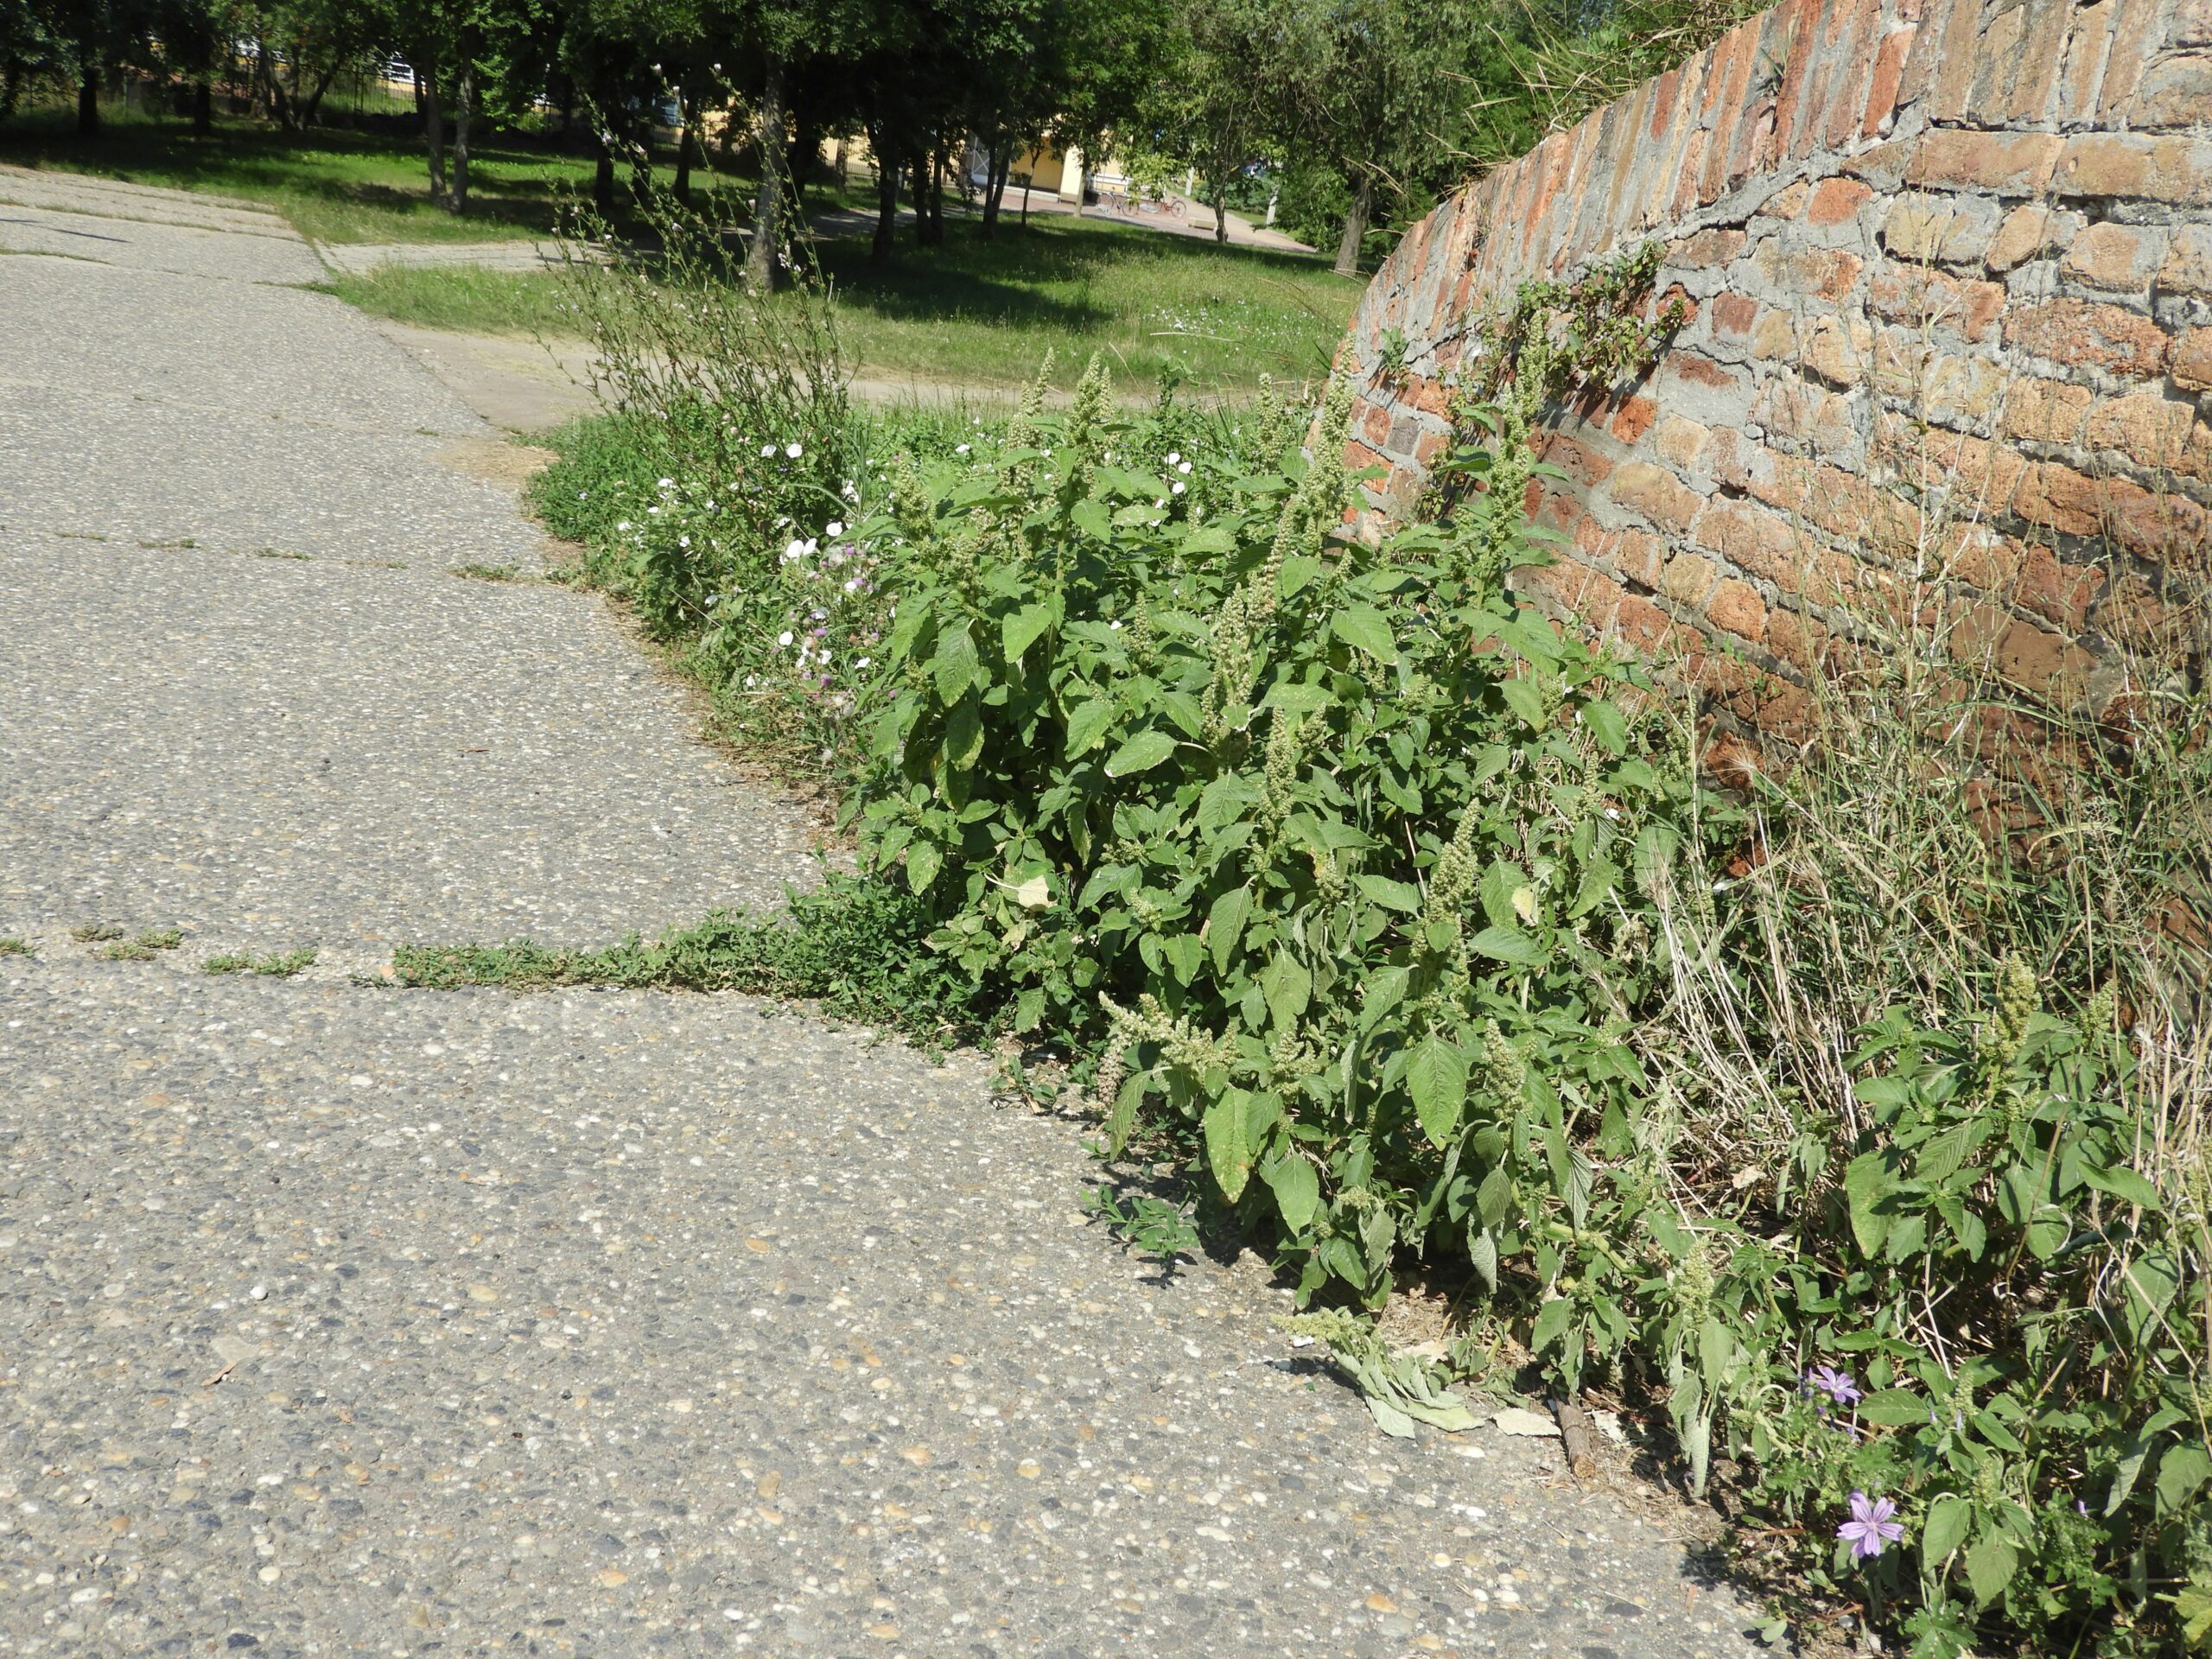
x: 1633, y: 418
x: 1638, y: 555
x: 1888, y: 75
x: 1835, y: 201
x: 2045, y: 664
x: 1823, y: 273
x: 1787, y: 202
x: 2088, y: 335
x: 2187, y: 268
x: 1738, y: 610
x: 1732, y: 315
x: 1757, y: 542
x: 2147, y: 428
x: 2008, y: 163
x: 2117, y: 258
x: 2058, y: 498
x: 1657, y: 494
x: 1702, y: 372
x: 1688, y: 577
x: 1975, y: 473
x: 2174, y: 91
x: 1774, y: 336
x: 2168, y: 169
x: 1708, y: 250
x: 1581, y: 462
x: 1924, y: 298
x: 2058, y: 592
x: 1840, y: 349
x: 1947, y: 230
x: 1375, y: 424
x: 2192, y: 360
x: 2045, y: 411
x: 1812, y: 415
x: 1679, y: 441
x: 1797, y: 639
x: 2028, y: 233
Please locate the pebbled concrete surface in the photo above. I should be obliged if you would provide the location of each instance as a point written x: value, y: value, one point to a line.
x: 339, y: 1319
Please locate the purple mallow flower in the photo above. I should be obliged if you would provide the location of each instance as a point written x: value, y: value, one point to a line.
x: 1837, y: 1385
x: 1872, y: 1524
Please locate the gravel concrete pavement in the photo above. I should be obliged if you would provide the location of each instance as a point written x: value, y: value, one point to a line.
x: 338, y: 1319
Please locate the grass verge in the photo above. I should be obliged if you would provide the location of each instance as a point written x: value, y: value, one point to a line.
x: 278, y: 965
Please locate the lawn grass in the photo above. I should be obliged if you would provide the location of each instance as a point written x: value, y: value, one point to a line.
x: 335, y: 184
x: 969, y: 312
x: 983, y: 314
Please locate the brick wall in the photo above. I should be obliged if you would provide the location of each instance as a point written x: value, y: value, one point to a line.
x: 1949, y: 269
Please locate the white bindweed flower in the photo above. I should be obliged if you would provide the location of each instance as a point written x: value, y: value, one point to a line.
x: 767, y: 449
x: 861, y: 664
x: 961, y: 449
x: 1114, y: 627
x: 823, y: 659
x: 666, y: 484
x: 1178, y: 487
x: 794, y: 450
x: 752, y: 680
x: 683, y: 541
x: 834, y: 527
x: 1184, y: 467
x: 784, y: 638
x: 625, y: 524
x: 1174, y: 455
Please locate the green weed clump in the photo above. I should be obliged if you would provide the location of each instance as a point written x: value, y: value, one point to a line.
x: 855, y: 947
x: 281, y: 964
x: 12, y: 946
x: 1862, y: 1146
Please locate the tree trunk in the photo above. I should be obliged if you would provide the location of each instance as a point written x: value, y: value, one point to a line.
x: 203, y: 106
x: 309, y: 109
x: 1363, y: 202
x: 88, y: 94
x: 1221, y: 209
x: 917, y: 187
x: 803, y: 154
x: 602, y: 178
x: 1082, y: 177
x: 767, y: 202
x: 685, y: 108
x: 994, y: 186
x: 886, y: 196
x: 936, y: 195
x: 464, y: 111
x: 434, y: 133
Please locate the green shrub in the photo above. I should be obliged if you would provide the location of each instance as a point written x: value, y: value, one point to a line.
x: 1401, y: 916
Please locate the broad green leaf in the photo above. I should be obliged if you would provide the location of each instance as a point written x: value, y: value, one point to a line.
x: 954, y: 665
x: 1225, y: 925
x: 1525, y: 698
x: 1287, y: 986
x: 2184, y: 1469
x: 1296, y: 1190
x: 1552, y: 1320
x: 1299, y: 571
x: 2122, y: 1183
x: 1895, y: 1407
x: 1437, y: 1079
x: 1506, y: 944
x: 1398, y: 896
x: 963, y: 735
x: 1019, y: 631
x: 1865, y: 1181
x: 1367, y: 629
x: 1946, y: 1528
x: 1087, y: 723
x: 1141, y: 754
x: 923, y: 862
x: 1607, y: 724
x: 1228, y: 1155
x: 1090, y: 516
x: 1493, y: 1197
x: 1991, y: 1562
x: 1482, y: 1251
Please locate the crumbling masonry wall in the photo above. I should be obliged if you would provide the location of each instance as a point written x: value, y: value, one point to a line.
x: 1948, y: 269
